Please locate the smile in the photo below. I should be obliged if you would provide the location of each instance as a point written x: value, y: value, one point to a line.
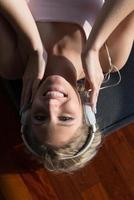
x: 55, y: 91
x: 54, y: 94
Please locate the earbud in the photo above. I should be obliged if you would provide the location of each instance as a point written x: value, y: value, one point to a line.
x: 89, y: 114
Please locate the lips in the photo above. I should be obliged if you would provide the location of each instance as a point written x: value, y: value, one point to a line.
x: 54, y: 94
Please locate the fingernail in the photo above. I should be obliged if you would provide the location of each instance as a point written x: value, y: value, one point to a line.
x: 94, y: 110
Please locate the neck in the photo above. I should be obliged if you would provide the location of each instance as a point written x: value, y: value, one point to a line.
x: 65, y: 62
x: 74, y: 57
x: 60, y: 65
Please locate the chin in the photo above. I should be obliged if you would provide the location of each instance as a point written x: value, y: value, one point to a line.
x: 55, y: 79
x: 58, y: 83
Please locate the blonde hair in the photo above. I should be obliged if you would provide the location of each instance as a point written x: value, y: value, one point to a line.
x: 53, y: 157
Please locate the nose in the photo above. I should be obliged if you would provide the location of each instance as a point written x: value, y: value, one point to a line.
x: 53, y: 103
x: 53, y: 106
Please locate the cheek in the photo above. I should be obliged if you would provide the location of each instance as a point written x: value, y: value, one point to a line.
x: 76, y: 104
x: 74, y: 108
x: 40, y: 133
x: 38, y: 105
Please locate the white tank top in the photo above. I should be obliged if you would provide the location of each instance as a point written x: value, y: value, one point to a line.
x: 82, y: 12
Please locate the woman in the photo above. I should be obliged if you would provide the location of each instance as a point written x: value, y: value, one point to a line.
x: 56, y: 51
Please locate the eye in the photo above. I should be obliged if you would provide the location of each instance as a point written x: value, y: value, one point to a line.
x: 40, y: 117
x: 65, y: 118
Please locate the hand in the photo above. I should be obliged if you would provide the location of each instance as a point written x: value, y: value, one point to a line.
x: 33, y: 74
x: 93, y: 76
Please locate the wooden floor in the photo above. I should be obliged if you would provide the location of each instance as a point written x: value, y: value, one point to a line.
x: 110, y: 176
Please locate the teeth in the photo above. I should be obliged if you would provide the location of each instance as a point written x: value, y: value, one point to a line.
x: 54, y: 94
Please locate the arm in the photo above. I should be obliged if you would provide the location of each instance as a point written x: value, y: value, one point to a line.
x: 20, y: 17
x: 111, y: 14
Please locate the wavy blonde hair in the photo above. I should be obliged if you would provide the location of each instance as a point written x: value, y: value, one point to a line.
x: 53, y: 159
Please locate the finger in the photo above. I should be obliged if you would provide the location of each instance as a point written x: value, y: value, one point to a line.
x: 93, y: 99
x: 41, y: 70
x: 87, y: 85
x: 26, y: 93
x: 35, y: 87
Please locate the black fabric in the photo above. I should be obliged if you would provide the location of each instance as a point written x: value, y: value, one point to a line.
x: 115, y: 108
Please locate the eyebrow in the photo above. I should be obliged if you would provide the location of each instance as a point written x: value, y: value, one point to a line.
x: 61, y: 124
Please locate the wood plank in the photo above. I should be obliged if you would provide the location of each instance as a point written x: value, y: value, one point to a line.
x: 96, y: 192
x: 39, y: 179
x: 109, y: 171
x: 1, y: 197
x: 64, y: 187
x: 13, y: 188
x: 120, y: 153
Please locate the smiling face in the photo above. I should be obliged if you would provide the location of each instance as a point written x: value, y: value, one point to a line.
x: 56, y: 112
